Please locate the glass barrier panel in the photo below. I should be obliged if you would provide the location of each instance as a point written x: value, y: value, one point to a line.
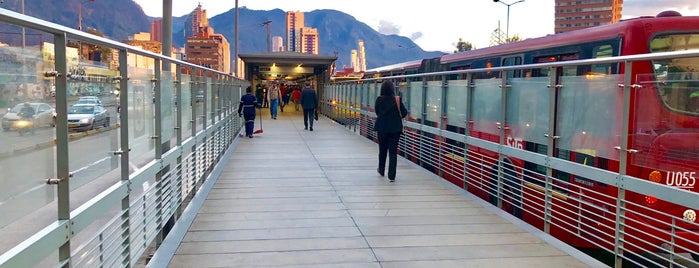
x: 528, y: 111
x: 589, y: 115
x: 415, y: 100
x: 666, y: 130
x: 456, y: 103
x: 201, y: 98
x: 364, y: 95
x: 27, y: 156
x: 92, y: 118
x: 373, y: 93
x: 168, y: 107
x: 209, y: 103
x: 186, y: 106
x: 141, y: 113
x: 486, y: 109
x: 434, y: 103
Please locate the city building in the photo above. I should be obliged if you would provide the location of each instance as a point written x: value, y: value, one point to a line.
x: 308, y: 40
x: 294, y: 22
x: 579, y: 14
x: 353, y: 59
x: 156, y: 30
x: 205, y: 47
x: 209, y: 50
x: 361, y: 57
x: 277, y: 44
x: 196, y: 20
x: 143, y: 41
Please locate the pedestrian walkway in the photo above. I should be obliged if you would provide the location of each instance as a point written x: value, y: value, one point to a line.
x: 295, y: 198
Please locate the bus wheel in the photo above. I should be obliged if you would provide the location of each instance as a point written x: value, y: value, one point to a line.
x: 695, y: 256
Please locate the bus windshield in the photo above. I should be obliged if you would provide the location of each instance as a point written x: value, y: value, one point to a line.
x: 678, y: 78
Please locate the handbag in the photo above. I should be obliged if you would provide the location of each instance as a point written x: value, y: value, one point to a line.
x: 399, y: 112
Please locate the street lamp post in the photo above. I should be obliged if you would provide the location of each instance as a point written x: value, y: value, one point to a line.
x: 507, y: 34
x: 80, y: 14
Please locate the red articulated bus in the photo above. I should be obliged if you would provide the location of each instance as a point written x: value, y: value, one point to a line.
x: 663, y: 129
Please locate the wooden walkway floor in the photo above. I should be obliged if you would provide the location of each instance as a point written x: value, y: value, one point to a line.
x: 295, y: 198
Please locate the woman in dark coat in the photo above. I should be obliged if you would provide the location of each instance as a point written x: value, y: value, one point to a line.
x: 390, y: 111
x: 246, y: 108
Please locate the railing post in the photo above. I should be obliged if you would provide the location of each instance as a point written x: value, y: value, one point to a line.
x: 623, y: 161
x: 467, y: 130
x: 124, y: 151
x: 178, y: 101
x: 550, y: 147
x: 62, y: 150
x: 503, y: 122
x: 157, y: 79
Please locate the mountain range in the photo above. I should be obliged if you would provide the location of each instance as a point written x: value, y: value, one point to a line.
x: 117, y: 19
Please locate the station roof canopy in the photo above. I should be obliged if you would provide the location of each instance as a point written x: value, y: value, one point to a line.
x: 285, y: 65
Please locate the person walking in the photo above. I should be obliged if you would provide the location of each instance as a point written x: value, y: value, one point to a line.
x: 296, y: 98
x: 274, y: 96
x: 390, y: 111
x: 309, y: 103
x: 285, y: 97
x: 246, y: 108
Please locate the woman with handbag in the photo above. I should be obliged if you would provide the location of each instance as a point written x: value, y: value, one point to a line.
x: 390, y: 112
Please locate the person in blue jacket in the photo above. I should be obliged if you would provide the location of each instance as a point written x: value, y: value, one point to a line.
x: 246, y: 108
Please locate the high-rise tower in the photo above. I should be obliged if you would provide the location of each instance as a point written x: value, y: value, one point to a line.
x: 361, y: 57
x: 307, y: 40
x: 294, y: 22
x: 578, y: 14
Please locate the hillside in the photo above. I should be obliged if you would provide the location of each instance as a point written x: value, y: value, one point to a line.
x: 117, y: 19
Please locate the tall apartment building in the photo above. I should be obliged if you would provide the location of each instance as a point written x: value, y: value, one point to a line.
x: 308, y: 40
x: 277, y: 43
x: 195, y: 20
x: 579, y: 14
x: 353, y: 59
x: 209, y: 50
x: 205, y: 47
x: 361, y: 57
x: 156, y: 30
x: 294, y: 22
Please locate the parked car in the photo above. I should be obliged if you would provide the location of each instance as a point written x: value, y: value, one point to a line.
x: 87, y: 116
x: 44, y: 115
x: 89, y: 100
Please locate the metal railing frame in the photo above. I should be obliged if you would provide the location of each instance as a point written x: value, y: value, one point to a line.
x: 58, y: 234
x: 621, y: 180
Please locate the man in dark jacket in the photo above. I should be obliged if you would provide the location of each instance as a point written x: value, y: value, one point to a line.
x: 246, y: 108
x: 309, y: 103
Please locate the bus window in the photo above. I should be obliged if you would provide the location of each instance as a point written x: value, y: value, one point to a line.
x: 679, y: 89
x: 603, y: 51
x: 511, y: 61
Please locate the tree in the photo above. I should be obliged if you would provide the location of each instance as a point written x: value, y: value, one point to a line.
x: 463, y: 46
x: 514, y: 38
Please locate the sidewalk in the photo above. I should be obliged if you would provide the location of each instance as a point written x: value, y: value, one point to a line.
x: 297, y: 198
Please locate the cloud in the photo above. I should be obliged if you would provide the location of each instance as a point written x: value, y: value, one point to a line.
x: 635, y: 8
x: 388, y: 28
x: 415, y: 36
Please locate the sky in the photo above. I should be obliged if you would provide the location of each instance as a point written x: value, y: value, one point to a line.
x: 436, y: 26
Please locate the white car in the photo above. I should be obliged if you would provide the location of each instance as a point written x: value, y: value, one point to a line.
x: 44, y: 115
x: 89, y: 100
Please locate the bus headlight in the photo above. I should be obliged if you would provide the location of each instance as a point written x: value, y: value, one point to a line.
x: 689, y: 215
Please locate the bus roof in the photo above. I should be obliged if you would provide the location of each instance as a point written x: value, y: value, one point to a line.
x: 566, y: 38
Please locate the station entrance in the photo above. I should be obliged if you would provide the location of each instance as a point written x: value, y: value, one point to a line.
x: 291, y: 69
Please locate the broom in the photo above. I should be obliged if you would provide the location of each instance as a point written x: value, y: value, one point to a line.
x: 259, y: 131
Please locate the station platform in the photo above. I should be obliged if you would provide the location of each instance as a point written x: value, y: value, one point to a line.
x: 290, y: 197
